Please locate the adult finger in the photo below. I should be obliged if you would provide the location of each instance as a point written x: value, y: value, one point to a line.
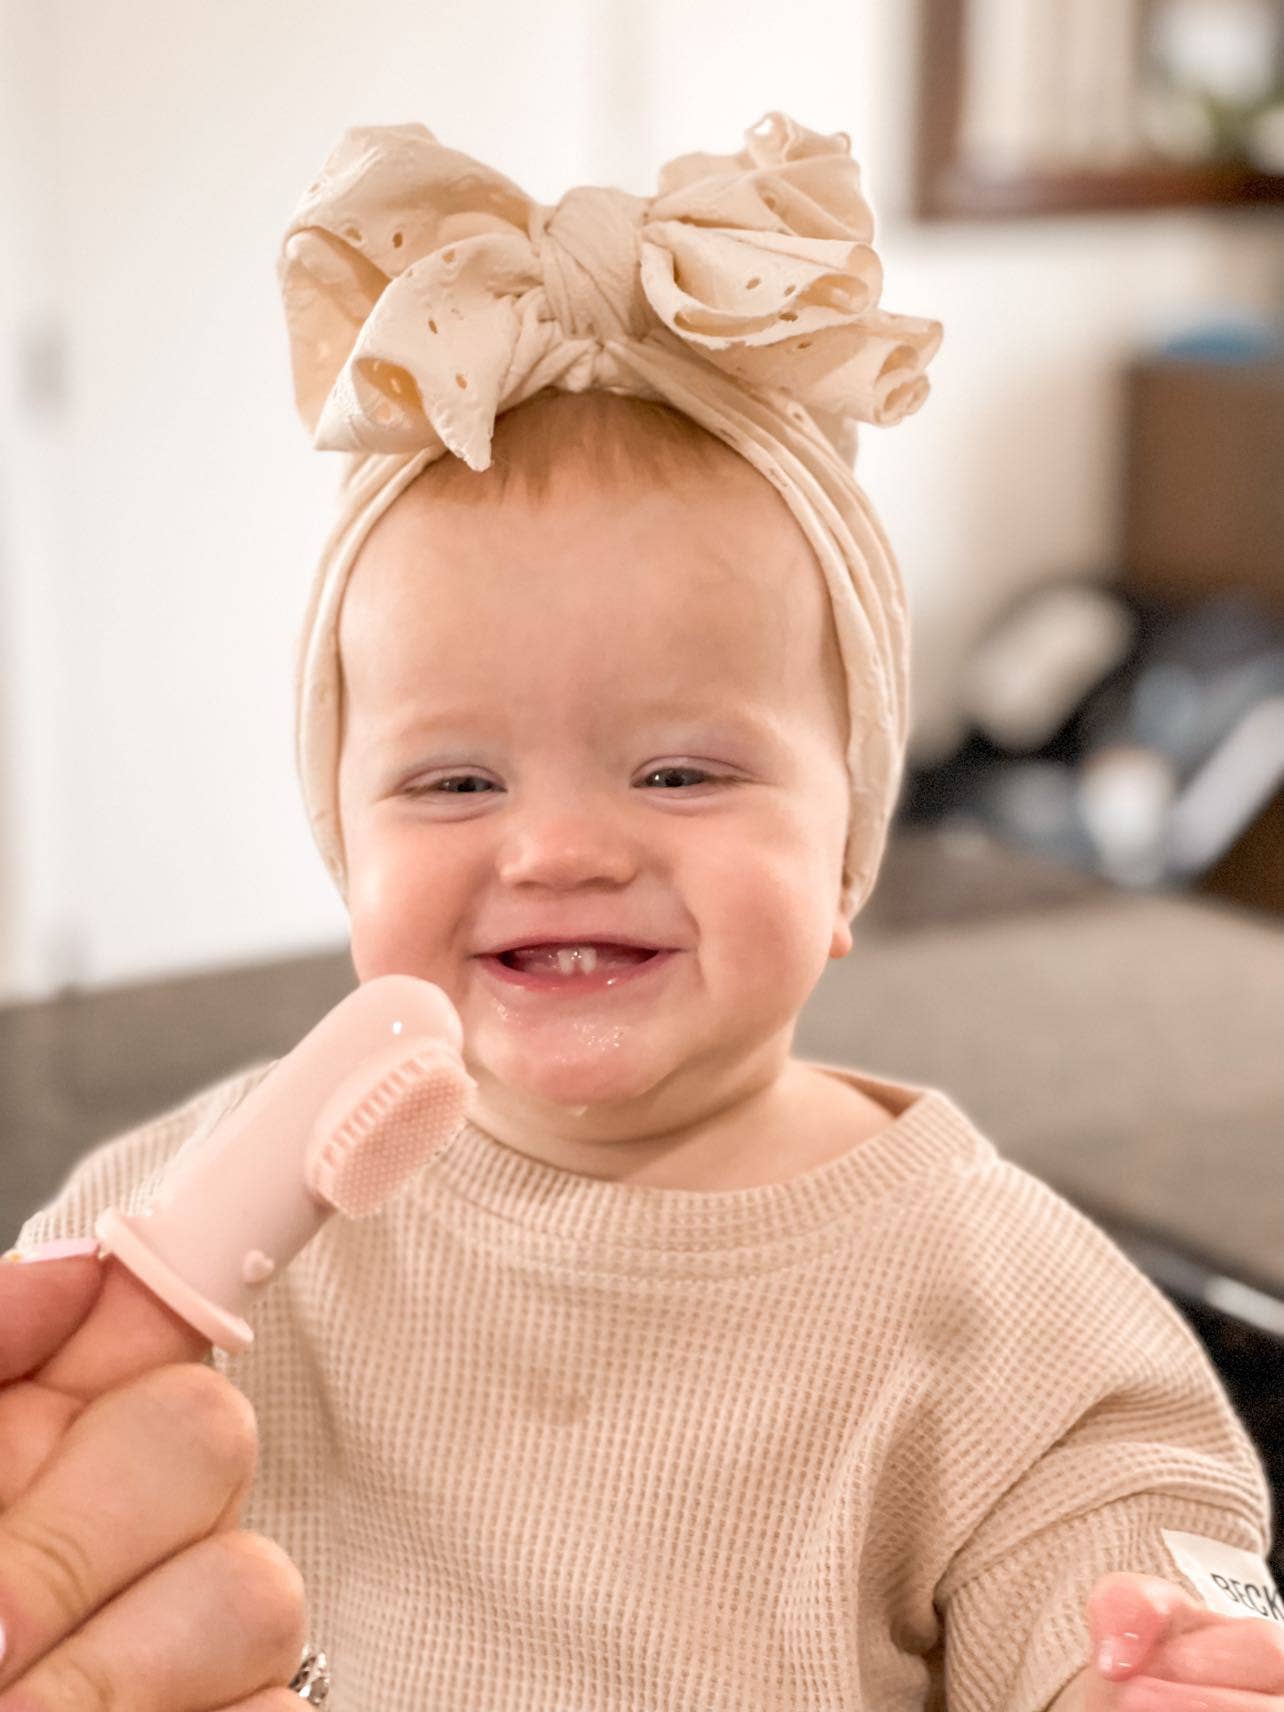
x: 141, y: 1474
x: 220, y: 1622
x: 125, y: 1332
x: 41, y: 1305
x: 128, y: 1330
x: 271, y: 1700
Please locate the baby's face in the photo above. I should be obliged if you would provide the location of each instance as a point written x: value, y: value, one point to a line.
x: 601, y: 713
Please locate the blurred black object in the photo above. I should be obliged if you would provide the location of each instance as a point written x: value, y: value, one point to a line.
x: 1132, y: 736
x: 1250, y: 1364
x: 1241, y: 1328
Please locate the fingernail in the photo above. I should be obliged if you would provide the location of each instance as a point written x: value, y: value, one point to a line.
x: 62, y: 1249
x: 1119, y: 1652
x: 1114, y: 1655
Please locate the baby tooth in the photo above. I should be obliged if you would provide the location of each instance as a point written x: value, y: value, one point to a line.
x: 571, y: 957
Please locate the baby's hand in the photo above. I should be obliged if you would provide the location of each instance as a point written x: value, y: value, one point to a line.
x: 124, y: 1468
x: 1156, y: 1650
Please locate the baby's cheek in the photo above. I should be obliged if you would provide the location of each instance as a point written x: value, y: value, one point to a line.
x: 395, y: 924
x: 376, y: 952
x: 771, y: 939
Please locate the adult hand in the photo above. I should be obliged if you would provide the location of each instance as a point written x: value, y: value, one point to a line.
x: 125, y: 1464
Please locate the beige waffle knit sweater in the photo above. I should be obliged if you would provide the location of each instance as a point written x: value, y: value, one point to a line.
x: 858, y: 1441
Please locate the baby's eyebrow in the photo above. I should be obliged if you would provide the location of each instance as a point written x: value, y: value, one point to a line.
x: 711, y: 716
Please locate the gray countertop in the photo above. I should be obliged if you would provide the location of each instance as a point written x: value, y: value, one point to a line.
x: 1126, y: 1048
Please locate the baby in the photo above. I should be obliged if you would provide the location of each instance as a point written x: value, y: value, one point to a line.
x: 606, y: 712
x: 691, y: 1375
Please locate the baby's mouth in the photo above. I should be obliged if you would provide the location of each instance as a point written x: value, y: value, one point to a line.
x: 574, y: 959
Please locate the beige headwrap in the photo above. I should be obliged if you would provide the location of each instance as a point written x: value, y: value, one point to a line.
x: 425, y: 293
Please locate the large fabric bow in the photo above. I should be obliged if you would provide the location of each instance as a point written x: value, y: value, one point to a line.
x: 425, y: 292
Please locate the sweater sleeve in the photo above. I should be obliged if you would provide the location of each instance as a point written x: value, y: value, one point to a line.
x: 1116, y: 1428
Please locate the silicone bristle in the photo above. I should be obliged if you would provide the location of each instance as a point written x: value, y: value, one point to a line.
x: 410, y: 1114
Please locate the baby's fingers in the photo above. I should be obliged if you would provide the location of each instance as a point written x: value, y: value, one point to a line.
x: 1151, y: 1694
x: 211, y: 1627
x: 1241, y: 1652
x: 141, y: 1474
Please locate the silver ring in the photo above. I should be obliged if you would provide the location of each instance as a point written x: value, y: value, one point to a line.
x: 311, y: 1682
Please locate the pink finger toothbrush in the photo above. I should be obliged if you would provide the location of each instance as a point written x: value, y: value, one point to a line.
x: 342, y: 1121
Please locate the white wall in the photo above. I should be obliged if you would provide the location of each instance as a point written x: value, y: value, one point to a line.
x: 150, y: 818
x: 158, y: 539
x: 35, y: 854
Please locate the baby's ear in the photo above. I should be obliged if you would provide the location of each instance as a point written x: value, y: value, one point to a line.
x: 841, y: 943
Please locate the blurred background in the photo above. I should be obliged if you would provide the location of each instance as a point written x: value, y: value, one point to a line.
x: 1077, y: 931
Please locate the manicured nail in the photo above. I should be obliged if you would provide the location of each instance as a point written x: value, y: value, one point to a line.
x: 62, y: 1249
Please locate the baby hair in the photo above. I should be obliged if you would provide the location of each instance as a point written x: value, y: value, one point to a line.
x: 615, y: 438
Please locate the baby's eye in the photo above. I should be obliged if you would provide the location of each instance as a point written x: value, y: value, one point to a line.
x: 698, y: 771
x: 439, y: 787
x: 433, y: 786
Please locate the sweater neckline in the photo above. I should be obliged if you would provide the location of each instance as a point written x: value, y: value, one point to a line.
x: 928, y: 1134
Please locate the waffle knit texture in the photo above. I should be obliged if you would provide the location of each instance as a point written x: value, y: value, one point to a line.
x: 865, y: 1438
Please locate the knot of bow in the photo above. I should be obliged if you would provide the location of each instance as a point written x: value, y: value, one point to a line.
x: 425, y: 292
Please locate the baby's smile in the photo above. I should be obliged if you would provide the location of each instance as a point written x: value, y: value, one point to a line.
x: 574, y: 970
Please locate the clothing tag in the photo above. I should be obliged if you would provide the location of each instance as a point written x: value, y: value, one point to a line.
x: 1230, y: 1580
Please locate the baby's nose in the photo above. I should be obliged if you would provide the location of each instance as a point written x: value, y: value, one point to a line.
x: 569, y: 850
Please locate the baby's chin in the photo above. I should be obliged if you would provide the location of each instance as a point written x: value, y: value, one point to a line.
x: 593, y: 1064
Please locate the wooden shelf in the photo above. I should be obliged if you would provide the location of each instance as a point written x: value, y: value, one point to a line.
x: 956, y: 192
x: 951, y: 186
